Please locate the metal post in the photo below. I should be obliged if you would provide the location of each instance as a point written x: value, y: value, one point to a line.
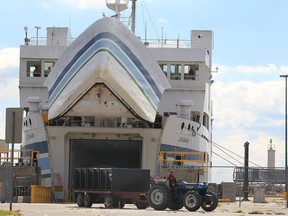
x: 286, y: 174
x: 246, y: 165
x: 133, y: 15
x: 37, y: 27
x: 12, y: 160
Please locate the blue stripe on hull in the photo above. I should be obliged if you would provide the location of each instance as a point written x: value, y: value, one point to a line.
x: 125, y: 49
x: 42, y: 147
x: 44, y: 162
x: 104, y: 46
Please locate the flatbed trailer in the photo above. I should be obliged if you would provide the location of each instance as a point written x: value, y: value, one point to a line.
x: 112, y: 186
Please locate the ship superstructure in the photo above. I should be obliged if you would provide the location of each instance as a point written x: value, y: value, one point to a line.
x: 106, y: 99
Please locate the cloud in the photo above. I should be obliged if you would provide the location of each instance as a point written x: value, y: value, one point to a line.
x: 250, y: 69
x: 9, y: 91
x: 241, y: 103
x: 162, y: 21
x: 9, y: 58
x: 9, y: 64
x: 284, y: 69
x: 250, y: 111
x: 9, y: 88
x: 256, y: 69
x: 83, y: 4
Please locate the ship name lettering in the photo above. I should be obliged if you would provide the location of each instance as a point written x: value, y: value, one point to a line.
x: 183, y: 139
x: 30, y: 136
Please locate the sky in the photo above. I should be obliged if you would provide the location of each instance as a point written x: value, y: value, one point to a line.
x: 250, y: 50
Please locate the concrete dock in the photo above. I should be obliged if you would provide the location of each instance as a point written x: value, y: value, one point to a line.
x: 271, y: 206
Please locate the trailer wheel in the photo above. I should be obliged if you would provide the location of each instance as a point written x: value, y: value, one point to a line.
x: 79, y: 200
x: 192, y: 201
x: 141, y: 204
x: 109, y: 201
x: 87, y: 201
x: 159, y: 196
x: 211, y: 203
x: 119, y: 203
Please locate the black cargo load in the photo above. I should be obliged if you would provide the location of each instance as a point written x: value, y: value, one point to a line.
x: 112, y: 179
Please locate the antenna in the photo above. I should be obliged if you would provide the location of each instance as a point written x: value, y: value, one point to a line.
x: 117, y: 6
x: 133, y: 15
x: 26, y: 39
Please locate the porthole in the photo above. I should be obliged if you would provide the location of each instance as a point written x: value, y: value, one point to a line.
x: 182, y: 125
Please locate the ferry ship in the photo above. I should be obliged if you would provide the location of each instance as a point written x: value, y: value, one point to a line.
x: 109, y: 99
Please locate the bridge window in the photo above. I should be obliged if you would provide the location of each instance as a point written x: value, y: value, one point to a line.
x: 195, y: 116
x: 48, y: 65
x: 34, y: 69
x: 191, y: 72
x: 175, y: 71
x: 206, y: 120
x: 164, y: 68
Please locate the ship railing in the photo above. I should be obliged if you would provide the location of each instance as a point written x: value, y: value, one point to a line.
x: 166, y: 43
x: 151, y: 43
x: 22, y: 157
x: 108, y: 122
x: 43, y: 41
x: 176, y: 159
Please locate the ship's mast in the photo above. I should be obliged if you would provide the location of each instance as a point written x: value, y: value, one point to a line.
x: 120, y: 5
x: 133, y: 15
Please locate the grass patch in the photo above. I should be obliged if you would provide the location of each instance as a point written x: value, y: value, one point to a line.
x: 9, y: 213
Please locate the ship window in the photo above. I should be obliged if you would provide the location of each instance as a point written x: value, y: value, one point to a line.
x: 191, y: 72
x: 48, y: 65
x: 175, y: 71
x: 195, y: 116
x: 164, y: 68
x: 206, y: 120
x: 34, y: 69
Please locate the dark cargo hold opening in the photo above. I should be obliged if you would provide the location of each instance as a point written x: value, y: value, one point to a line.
x: 104, y: 154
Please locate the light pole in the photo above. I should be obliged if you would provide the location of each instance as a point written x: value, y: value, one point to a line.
x: 286, y: 174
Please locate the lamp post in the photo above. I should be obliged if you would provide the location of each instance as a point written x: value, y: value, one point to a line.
x: 286, y: 174
x: 26, y: 37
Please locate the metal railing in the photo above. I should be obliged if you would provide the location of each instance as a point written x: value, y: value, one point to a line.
x: 260, y: 175
x: 22, y: 157
x: 183, y: 159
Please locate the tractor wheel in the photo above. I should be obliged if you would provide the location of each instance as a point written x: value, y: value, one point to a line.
x: 109, y: 201
x: 210, y: 203
x: 141, y: 204
x: 87, y: 201
x: 192, y: 201
x: 159, y: 196
x: 79, y: 200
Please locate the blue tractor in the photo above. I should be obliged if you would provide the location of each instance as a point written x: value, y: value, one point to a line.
x: 190, y: 195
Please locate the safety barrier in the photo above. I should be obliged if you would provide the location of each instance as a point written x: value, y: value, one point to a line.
x: 40, y: 194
